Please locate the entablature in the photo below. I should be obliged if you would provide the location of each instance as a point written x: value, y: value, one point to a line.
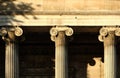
x: 60, y: 20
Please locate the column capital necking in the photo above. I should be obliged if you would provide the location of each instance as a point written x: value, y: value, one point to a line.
x: 55, y: 30
x: 104, y: 31
x: 7, y: 33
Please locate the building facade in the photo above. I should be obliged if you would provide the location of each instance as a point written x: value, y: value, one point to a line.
x: 59, y: 39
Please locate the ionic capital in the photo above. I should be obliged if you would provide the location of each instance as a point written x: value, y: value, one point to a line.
x: 5, y: 32
x: 55, y: 30
x: 105, y: 30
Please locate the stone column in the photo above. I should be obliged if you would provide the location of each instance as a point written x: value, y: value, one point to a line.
x: 58, y: 36
x: 11, y: 52
x: 11, y: 57
x: 107, y: 35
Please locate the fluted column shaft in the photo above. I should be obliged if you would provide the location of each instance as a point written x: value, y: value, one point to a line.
x: 58, y: 35
x: 110, y: 56
x: 11, y: 50
x: 61, y: 66
x: 107, y: 35
x: 11, y: 58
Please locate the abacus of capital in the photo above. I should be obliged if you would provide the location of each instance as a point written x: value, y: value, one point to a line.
x: 11, y: 50
x: 107, y: 35
x: 58, y: 36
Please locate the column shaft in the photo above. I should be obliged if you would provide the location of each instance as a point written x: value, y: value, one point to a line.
x: 110, y: 56
x: 61, y: 67
x: 11, y: 60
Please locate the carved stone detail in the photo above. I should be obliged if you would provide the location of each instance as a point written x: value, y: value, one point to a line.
x: 104, y: 32
x: 18, y: 31
x: 54, y: 31
x: 4, y: 31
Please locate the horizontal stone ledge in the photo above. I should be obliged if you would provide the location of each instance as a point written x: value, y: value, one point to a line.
x: 60, y: 20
